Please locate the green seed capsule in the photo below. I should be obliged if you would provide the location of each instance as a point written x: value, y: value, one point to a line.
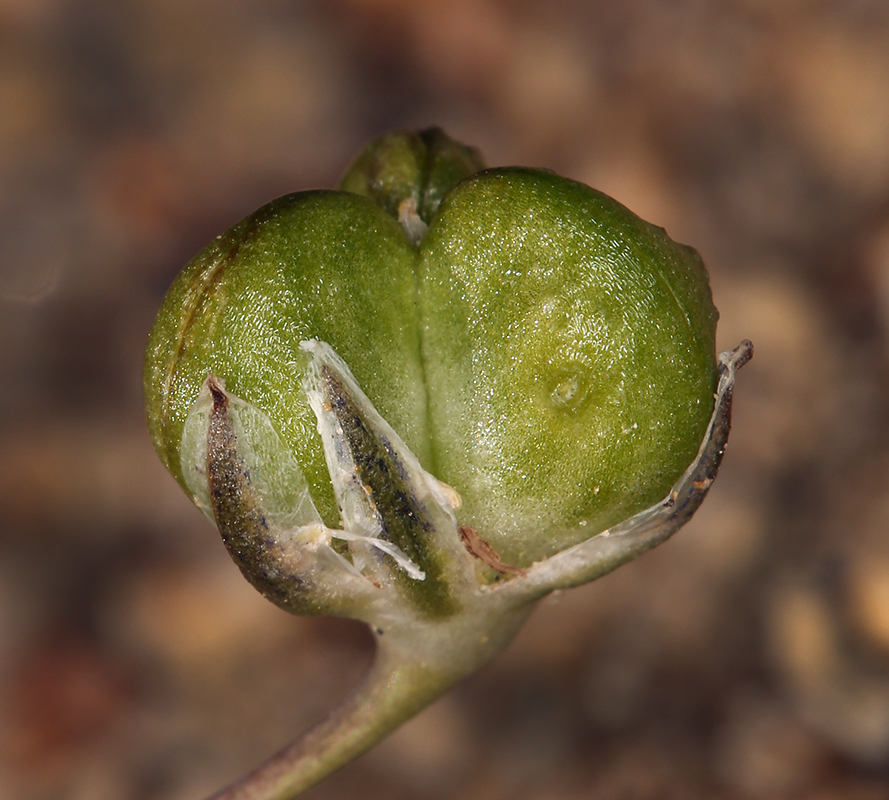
x: 429, y: 399
x: 535, y: 345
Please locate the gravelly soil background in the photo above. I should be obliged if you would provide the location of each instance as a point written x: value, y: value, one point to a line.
x: 747, y: 658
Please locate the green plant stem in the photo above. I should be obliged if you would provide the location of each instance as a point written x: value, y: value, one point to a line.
x: 394, y: 690
x: 416, y: 662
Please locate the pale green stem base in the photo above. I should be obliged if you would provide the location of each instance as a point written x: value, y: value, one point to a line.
x: 415, y: 664
x: 392, y: 692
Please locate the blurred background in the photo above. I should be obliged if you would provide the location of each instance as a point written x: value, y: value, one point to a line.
x: 746, y: 658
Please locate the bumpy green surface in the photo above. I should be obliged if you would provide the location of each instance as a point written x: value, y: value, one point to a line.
x: 568, y: 354
x: 324, y: 265
x: 544, y: 351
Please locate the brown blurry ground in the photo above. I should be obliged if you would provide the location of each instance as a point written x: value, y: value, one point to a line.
x: 747, y: 658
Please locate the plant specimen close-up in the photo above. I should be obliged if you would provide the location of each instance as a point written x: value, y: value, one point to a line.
x: 435, y: 313
x: 428, y: 400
